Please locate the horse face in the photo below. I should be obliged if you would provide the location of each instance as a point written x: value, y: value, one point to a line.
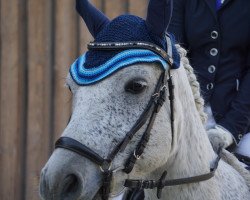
x: 102, y: 114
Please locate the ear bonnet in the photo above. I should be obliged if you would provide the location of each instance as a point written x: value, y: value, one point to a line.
x: 96, y: 65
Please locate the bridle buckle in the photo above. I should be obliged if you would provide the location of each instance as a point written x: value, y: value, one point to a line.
x: 106, y: 166
x: 137, y: 157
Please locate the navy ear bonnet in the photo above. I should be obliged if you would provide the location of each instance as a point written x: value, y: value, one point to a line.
x: 96, y: 65
x: 125, y: 28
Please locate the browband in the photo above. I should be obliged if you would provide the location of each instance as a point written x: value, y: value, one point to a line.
x: 111, y: 46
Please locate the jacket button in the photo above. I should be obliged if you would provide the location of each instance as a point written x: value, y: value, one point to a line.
x: 213, y: 52
x: 210, y: 86
x: 211, y: 69
x: 214, y: 35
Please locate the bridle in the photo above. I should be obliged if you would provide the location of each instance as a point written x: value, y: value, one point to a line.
x: 149, y: 114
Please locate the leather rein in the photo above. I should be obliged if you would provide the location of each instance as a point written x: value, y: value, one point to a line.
x: 149, y: 114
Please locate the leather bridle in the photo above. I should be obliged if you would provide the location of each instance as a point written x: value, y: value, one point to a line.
x: 149, y: 114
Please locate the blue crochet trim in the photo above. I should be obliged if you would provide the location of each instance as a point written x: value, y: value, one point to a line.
x: 84, y: 76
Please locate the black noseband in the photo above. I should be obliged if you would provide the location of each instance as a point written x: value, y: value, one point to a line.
x: 79, y: 148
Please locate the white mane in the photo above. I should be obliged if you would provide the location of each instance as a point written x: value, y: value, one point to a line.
x: 195, y: 86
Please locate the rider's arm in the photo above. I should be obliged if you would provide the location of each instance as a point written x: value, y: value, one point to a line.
x: 237, y: 119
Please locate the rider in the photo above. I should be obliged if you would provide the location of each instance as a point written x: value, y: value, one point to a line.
x: 216, y: 34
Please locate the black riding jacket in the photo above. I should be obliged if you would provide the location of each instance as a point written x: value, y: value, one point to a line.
x: 218, y: 44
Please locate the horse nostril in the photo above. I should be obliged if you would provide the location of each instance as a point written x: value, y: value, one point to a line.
x: 71, y: 187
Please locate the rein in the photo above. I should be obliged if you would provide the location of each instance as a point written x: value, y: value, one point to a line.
x: 149, y: 114
x: 162, y: 182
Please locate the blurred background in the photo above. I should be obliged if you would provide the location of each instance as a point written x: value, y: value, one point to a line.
x: 39, y: 41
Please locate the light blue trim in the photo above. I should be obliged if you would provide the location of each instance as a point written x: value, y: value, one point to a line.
x: 84, y: 76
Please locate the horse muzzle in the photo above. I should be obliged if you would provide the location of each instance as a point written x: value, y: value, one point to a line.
x: 66, y: 177
x: 69, y: 188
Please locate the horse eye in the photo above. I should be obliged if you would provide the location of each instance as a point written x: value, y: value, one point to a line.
x: 136, y: 86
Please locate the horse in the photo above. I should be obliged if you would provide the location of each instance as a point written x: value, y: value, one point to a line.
x: 126, y: 110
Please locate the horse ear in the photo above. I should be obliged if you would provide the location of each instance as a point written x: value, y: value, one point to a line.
x: 94, y: 19
x: 158, y: 16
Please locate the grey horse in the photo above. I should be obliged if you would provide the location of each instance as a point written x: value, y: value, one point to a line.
x: 105, y: 111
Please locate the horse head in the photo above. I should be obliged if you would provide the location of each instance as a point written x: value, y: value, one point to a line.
x: 131, y: 112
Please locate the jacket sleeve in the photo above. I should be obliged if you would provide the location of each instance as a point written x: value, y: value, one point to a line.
x: 177, y: 24
x: 237, y: 119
